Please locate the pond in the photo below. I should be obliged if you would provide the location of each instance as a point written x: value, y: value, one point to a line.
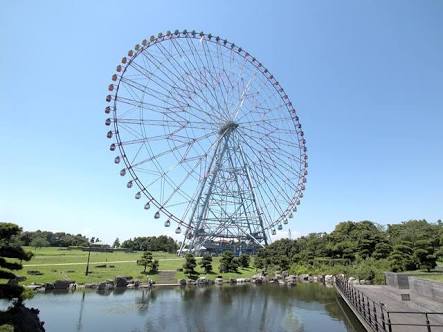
x: 305, y: 307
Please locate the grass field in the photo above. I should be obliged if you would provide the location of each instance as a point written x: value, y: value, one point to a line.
x: 55, y: 264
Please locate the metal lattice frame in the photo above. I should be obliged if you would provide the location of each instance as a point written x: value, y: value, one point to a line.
x: 208, y: 136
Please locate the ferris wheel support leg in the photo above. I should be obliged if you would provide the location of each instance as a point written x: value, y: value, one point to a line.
x: 204, y: 208
x: 254, y: 197
x: 199, y: 197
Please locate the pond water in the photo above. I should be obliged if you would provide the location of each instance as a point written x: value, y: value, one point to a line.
x: 305, y: 307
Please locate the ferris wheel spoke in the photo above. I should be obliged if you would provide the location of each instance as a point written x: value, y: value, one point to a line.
x: 203, y: 77
x: 214, y: 72
x: 275, y: 151
x: 196, y: 89
x: 166, y: 152
x: 262, y: 160
x: 267, y: 167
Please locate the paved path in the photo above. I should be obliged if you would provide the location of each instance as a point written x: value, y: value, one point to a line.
x: 84, y: 263
x: 167, y: 277
x: 391, y: 297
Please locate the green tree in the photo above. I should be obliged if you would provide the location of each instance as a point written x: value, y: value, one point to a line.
x: 206, y: 264
x: 11, y: 255
x: 39, y: 242
x: 401, y: 258
x: 424, y: 255
x: 382, y: 250
x: 283, y: 263
x: 146, y: 260
x: 116, y: 243
x: 244, y: 260
x: 154, y: 266
x: 228, y: 263
x: 189, y: 265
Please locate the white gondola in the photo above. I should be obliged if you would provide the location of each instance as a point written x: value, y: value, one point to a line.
x: 112, y: 147
x: 123, y: 172
x: 294, y: 209
x: 291, y: 215
x: 285, y: 221
x: 109, y: 134
x: 157, y: 215
x: 280, y: 227
x: 129, y: 184
x: 117, y: 160
x: 147, y: 206
x: 138, y: 195
x: 178, y: 230
x: 274, y: 232
x: 108, y: 122
x: 167, y: 223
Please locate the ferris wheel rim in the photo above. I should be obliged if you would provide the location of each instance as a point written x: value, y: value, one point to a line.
x: 138, y: 49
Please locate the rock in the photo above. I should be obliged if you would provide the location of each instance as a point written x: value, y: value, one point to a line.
x: 62, y: 284
x: 240, y: 280
x: 218, y: 281
x: 49, y: 286
x: 91, y: 286
x: 329, y: 278
x: 182, y: 282
x: 202, y: 281
x: 121, y: 282
x: 281, y: 282
x: 304, y: 277
x: 107, y: 285
x: 278, y: 276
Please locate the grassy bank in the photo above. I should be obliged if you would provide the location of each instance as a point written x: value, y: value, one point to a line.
x: 55, y: 263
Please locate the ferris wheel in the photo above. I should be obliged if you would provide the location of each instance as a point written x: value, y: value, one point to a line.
x: 207, y: 137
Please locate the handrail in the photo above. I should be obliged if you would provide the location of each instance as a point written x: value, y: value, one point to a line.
x: 376, y: 314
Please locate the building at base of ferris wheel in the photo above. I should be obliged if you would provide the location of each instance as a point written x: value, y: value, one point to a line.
x: 215, y: 248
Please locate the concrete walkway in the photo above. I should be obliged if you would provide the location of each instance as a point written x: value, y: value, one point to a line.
x: 392, y: 299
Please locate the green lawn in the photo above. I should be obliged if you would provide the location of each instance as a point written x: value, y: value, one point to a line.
x: 55, y: 264
x: 435, y: 275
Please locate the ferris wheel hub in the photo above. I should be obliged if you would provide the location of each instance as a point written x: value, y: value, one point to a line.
x: 228, y: 127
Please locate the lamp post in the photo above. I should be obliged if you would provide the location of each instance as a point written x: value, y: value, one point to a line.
x: 89, y: 253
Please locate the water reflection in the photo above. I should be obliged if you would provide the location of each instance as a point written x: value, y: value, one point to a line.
x: 306, y: 307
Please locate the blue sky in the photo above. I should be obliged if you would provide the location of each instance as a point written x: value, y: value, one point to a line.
x: 365, y: 76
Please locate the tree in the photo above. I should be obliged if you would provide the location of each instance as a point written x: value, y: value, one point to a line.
x: 206, y: 264
x: 382, y: 250
x: 228, y: 263
x: 283, y: 263
x: 189, y: 265
x: 401, y: 258
x: 116, y: 243
x: 10, y: 256
x: 146, y: 260
x: 244, y: 260
x: 424, y: 255
x: 39, y: 242
x: 154, y: 266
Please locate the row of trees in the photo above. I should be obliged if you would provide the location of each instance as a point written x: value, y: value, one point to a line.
x: 228, y: 263
x: 411, y: 245
x: 50, y: 239
x: 151, y: 243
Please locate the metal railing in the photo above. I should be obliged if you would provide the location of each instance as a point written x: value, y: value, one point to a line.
x: 376, y: 314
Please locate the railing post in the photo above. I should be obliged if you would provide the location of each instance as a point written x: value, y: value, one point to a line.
x: 374, y: 309
x: 382, y: 316
x: 428, y: 324
x: 389, y: 322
